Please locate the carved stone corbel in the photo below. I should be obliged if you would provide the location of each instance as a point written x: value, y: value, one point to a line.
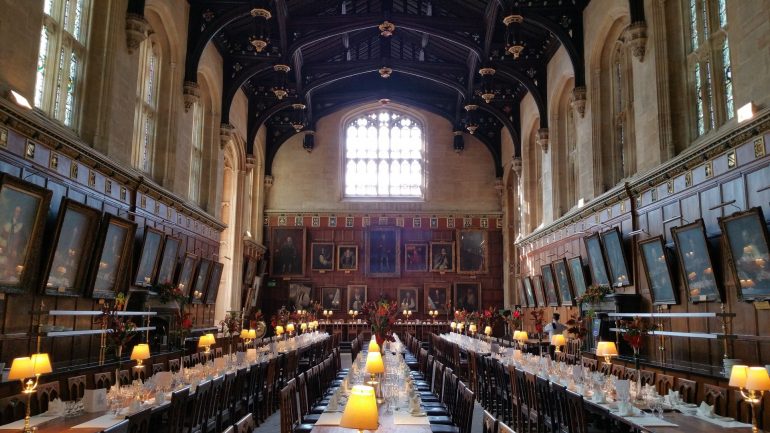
x: 136, y: 31
x: 516, y: 166
x: 578, y: 100
x: 251, y: 162
x: 268, y: 181
x: 636, y: 36
x: 542, y: 139
x: 191, y: 93
x: 226, y: 133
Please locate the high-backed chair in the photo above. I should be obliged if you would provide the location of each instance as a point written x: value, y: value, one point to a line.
x: 245, y: 424
x: 663, y: 382
x: 158, y: 367
x: 76, y: 387
x: 178, y: 410
x: 103, y: 380
x: 488, y: 423
x: 174, y: 365
x: 43, y: 395
x: 139, y: 422
x: 688, y: 389
x: 716, y: 396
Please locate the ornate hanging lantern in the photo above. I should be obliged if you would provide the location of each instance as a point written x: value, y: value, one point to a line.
x: 261, y: 36
x: 487, y: 91
x: 387, y: 28
x: 470, y: 123
x: 280, y: 91
x: 513, y: 43
x: 298, y: 116
x: 385, y: 72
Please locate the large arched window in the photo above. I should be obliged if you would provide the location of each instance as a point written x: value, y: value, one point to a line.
x: 146, y: 117
x: 61, y: 58
x: 196, y: 154
x: 384, y: 156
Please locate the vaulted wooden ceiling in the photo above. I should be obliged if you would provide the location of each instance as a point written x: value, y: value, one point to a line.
x: 336, y: 50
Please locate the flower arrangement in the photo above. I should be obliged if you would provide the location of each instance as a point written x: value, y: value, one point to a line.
x: 381, y: 315
x: 594, y: 294
x: 514, y: 319
x: 488, y: 317
x: 461, y: 316
x: 231, y: 324
x: 538, y: 315
x: 120, y: 330
x: 281, y: 318
x: 634, y: 332
x: 578, y: 326
x: 169, y: 292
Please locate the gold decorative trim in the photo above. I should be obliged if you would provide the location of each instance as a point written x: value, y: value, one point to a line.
x: 732, y: 159
x: 708, y: 169
x: 29, y: 150
x: 91, y: 179
x: 688, y: 179
x: 759, y: 147
x: 670, y: 186
x: 74, y: 170
x: 53, y: 161
x: 3, y: 137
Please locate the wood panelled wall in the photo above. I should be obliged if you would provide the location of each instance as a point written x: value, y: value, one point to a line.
x: 491, y: 282
x: 696, y: 184
x: 47, y: 155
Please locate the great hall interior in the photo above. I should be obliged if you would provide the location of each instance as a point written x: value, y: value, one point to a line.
x: 327, y: 216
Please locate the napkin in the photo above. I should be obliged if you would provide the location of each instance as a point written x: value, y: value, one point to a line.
x: 95, y: 400
x: 577, y: 372
x: 334, y: 404
x: 240, y: 357
x: 55, y: 407
x: 163, y: 379
x: 251, y: 355
x: 672, y: 398
x: 623, y: 389
x: 706, y: 410
x: 219, y: 363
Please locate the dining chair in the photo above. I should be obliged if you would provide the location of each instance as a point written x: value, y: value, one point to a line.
x: 197, y: 421
x: 488, y: 423
x: 178, y: 410
x: 173, y: 365
x: 124, y: 377
x: 688, y: 389
x: 121, y: 427
x: 13, y: 408
x: 158, y: 367
x: 648, y: 377
x: 663, y: 382
x: 589, y: 363
x: 218, y: 352
x: 139, y: 422
x: 630, y: 374
x: 211, y: 418
x: 503, y: 428
x: 560, y: 409
x: 464, y: 406
x: 716, y: 396
x: 560, y: 356
x: 76, y: 387
x: 535, y: 419
x: 45, y: 393
x: 187, y: 361
x: 522, y: 423
x: 230, y: 429
x: 103, y: 380
x: 245, y: 425
x: 605, y: 368
x: 545, y: 403
x: 139, y: 372
x: 194, y: 359
x: 618, y: 371
x: 224, y: 411
x: 239, y: 396
x: 741, y: 409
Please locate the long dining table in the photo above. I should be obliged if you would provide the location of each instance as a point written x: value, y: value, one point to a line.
x: 97, y: 422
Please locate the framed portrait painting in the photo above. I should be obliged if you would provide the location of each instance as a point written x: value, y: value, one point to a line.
x: 356, y: 297
x: 23, y: 211
x: 472, y: 249
x: 187, y: 273
x: 415, y: 257
x: 149, y: 257
x: 251, y: 270
x: 577, y: 275
x: 110, y: 267
x: 746, y: 239
x: 408, y: 299
x: 692, y: 252
x: 438, y: 296
x: 596, y: 262
x: 200, y: 281
x: 551, y: 298
x: 71, y: 249
x: 563, y: 283
x: 522, y: 294
x: 331, y: 298
x: 215, y: 278
x: 287, y: 248
x: 383, y: 252
x: 322, y: 256
x: 616, y: 258
x: 657, y: 272
x: 347, y: 258
x: 442, y: 256
x: 468, y: 296
x: 537, y: 285
x: 168, y: 260
x: 300, y: 294
x: 530, y: 291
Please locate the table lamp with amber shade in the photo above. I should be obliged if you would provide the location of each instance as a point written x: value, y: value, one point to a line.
x: 25, y: 369
x: 290, y: 329
x: 752, y: 383
x: 248, y: 335
x: 139, y: 353
x: 521, y: 337
x: 558, y: 340
x: 361, y: 410
x: 374, y: 366
x: 607, y: 349
x: 373, y: 346
x: 206, y: 341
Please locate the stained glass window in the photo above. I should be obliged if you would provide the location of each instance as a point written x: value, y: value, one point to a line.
x: 196, y: 157
x: 146, y: 106
x: 61, y: 54
x: 384, y: 156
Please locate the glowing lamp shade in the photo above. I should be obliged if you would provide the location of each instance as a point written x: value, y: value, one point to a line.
x: 140, y: 352
x: 738, y: 376
x: 21, y: 368
x: 606, y: 348
x: 488, y: 330
x: 244, y: 333
x: 361, y: 411
x: 206, y: 340
x: 523, y: 336
x: 41, y: 363
x: 374, y: 363
x: 558, y: 340
x: 278, y: 330
x: 252, y: 334
x: 472, y: 328
x: 460, y: 326
x: 758, y: 379
x: 373, y: 346
x: 290, y: 328
x: 303, y: 326
x: 453, y: 325
x: 516, y: 335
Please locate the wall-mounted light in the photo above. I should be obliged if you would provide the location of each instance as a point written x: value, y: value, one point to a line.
x: 19, y: 99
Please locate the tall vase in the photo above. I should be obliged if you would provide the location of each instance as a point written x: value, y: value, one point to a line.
x: 117, y: 369
x: 638, y: 375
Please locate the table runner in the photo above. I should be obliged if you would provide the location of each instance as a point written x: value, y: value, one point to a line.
x: 33, y: 421
x: 103, y: 422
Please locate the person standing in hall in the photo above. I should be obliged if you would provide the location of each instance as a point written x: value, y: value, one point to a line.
x: 553, y: 328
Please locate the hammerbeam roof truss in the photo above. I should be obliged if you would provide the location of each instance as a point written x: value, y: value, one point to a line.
x: 335, y: 51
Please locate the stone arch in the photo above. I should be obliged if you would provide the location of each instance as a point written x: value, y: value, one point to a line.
x: 532, y: 178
